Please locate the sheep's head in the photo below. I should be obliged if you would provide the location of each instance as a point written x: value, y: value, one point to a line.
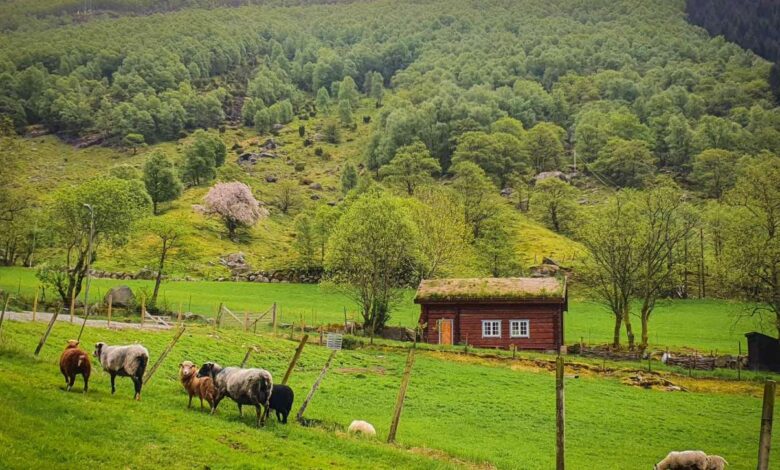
x: 98, y: 349
x: 209, y: 369
x: 72, y: 343
x: 187, y: 369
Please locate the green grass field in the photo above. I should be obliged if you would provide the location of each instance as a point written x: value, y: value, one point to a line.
x: 705, y: 325
x: 459, y: 412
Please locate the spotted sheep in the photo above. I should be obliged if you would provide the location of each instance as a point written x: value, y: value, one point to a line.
x: 244, y: 386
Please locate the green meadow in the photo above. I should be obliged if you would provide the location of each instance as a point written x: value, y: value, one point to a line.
x: 460, y: 411
x: 705, y: 325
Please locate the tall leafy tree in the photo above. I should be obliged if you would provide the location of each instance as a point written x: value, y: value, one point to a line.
x: 553, y: 203
x: 543, y: 146
x: 116, y: 205
x: 498, y: 154
x: 371, y: 253
x: 480, y: 200
x: 714, y: 171
x: 626, y: 163
x: 349, y: 178
x: 752, y: 236
x: 411, y: 167
x: 161, y: 180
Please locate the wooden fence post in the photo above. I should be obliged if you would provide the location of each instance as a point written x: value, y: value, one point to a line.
x: 765, y: 439
x: 164, y: 354
x: 560, y: 420
x: 45, y: 335
x: 246, y: 321
x: 514, y: 351
x: 218, y: 321
x: 83, y: 324
x: 273, y: 317
x: 315, y: 386
x: 143, y: 309
x: 246, y: 356
x: 739, y: 361
x: 321, y: 331
x: 5, y: 307
x: 35, y: 304
x: 110, y: 308
x: 399, y: 402
x: 180, y: 316
x: 295, y: 359
x: 72, y: 302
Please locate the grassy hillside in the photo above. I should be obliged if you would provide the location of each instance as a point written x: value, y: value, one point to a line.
x: 48, y: 163
x: 706, y: 325
x: 476, y: 408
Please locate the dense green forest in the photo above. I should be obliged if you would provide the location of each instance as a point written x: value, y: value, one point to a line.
x: 753, y: 24
x: 616, y: 124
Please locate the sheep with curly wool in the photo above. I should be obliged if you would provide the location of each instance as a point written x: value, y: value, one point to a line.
x: 361, y: 427
x: 124, y: 361
x: 244, y: 386
x: 685, y: 460
x: 75, y: 361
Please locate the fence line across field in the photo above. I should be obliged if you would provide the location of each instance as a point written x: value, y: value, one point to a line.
x: 247, y: 321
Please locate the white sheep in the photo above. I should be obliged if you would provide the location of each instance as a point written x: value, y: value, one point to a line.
x: 685, y: 460
x: 124, y: 361
x: 363, y: 427
x: 716, y: 462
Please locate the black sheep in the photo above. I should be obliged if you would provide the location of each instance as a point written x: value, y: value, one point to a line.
x: 282, y: 398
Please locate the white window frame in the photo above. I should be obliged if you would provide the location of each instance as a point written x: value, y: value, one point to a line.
x: 519, y: 323
x: 492, y: 323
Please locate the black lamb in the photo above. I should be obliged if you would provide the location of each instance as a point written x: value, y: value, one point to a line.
x: 282, y: 398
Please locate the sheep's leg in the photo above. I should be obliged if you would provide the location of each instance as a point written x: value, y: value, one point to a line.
x: 201, y: 403
x: 71, y: 381
x: 240, y: 411
x: 86, y: 382
x: 113, y: 385
x: 189, y: 405
x: 214, y: 405
x: 137, y: 381
x: 260, y: 415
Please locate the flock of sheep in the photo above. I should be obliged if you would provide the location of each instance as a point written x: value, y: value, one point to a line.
x: 255, y: 387
x: 210, y: 382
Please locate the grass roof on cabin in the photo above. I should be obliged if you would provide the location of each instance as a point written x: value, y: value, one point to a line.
x: 489, y: 288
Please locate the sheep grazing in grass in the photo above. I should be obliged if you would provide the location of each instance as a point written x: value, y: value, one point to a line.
x: 716, y: 462
x: 75, y: 361
x: 202, y: 387
x: 361, y: 427
x: 244, y: 386
x: 124, y: 361
x: 281, y: 402
x: 685, y: 460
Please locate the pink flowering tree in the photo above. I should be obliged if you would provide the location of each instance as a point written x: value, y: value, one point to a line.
x: 235, y: 205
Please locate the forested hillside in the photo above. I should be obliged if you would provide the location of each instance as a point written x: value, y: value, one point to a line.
x: 753, y: 24
x: 470, y: 131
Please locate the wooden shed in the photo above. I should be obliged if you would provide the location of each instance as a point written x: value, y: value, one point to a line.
x: 494, y: 312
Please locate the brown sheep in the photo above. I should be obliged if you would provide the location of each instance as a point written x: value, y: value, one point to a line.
x: 202, y: 387
x: 74, y: 361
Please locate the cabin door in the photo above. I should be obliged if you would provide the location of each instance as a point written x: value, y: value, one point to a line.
x: 445, y: 331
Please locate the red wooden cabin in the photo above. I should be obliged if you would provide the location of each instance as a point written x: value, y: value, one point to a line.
x: 494, y: 312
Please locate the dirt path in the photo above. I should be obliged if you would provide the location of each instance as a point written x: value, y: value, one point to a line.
x: 115, y: 325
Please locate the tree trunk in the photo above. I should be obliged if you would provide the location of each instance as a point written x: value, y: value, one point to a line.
x: 153, y: 302
x: 616, y: 331
x: 629, y: 328
x: 645, y: 323
x: 154, y: 207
